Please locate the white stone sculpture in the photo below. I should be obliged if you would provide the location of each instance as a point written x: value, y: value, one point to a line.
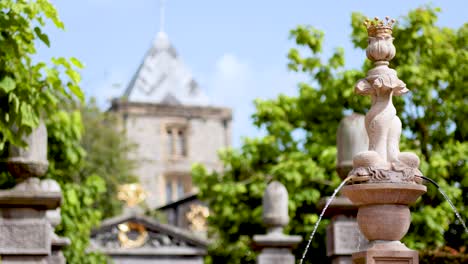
x: 383, y: 162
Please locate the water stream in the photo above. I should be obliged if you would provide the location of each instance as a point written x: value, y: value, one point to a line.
x: 320, y: 217
x: 448, y: 200
x: 335, y: 192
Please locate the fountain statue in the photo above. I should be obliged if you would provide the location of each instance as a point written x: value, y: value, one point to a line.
x: 387, y: 180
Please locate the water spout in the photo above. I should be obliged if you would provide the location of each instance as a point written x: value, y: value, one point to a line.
x: 321, y: 215
x: 448, y: 200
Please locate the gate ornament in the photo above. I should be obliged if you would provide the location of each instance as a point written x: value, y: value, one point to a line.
x: 128, y: 227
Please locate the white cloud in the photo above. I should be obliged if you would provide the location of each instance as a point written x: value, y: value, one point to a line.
x: 229, y: 67
x: 236, y: 83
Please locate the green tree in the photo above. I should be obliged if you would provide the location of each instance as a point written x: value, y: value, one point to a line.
x: 108, y: 155
x: 82, y: 159
x: 98, y: 146
x: 299, y: 147
x: 31, y: 91
x: 88, y: 156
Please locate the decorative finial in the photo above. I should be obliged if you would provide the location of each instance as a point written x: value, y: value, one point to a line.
x: 275, y: 207
x: 131, y: 193
x: 379, y: 27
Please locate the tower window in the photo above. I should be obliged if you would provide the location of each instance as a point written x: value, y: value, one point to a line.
x: 180, y: 189
x: 170, y: 142
x: 168, y: 191
x: 176, y: 142
x: 178, y: 185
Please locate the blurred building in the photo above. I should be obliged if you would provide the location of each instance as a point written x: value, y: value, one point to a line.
x: 164, y: 111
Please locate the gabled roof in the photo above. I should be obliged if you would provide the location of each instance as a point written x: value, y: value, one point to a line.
x: 162, y: 239
x: 162, y: 77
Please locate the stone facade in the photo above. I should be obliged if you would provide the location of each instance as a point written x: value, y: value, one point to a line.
x: 163, y: 171
x: 166, y: 114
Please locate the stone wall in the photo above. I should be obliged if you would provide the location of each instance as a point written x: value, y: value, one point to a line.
x: 205, y: 129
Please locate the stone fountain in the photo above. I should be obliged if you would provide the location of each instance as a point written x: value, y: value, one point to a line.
x: 385, y: 180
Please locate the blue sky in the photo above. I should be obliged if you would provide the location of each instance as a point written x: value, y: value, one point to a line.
x: 236, y: 50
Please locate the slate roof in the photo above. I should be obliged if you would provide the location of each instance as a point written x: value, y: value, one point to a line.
x: 163, y: 78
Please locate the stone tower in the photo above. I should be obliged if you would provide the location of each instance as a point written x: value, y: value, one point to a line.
x: 167, y: 115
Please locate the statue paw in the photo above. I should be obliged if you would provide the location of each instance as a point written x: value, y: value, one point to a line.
x: 368, y: 159
x: 409, y: 159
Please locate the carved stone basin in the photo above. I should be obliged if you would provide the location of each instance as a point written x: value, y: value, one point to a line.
x: 383, y: 208
x: 383, y: 193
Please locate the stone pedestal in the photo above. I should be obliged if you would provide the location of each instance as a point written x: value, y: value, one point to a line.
x: 56, y: 256
x: 58, y: 243
x: 386, y: 252
x: 343, y: 234
x: 275, y: 256
x: 26, y: 233
x: 275, y: 246
x: 384, y: 219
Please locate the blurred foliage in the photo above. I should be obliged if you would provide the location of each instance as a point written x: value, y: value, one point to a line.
x: 79, y: 216
x: 87, y: 141
x: 87, y: 152
x: 445, y: 255
x: 299, y: 148
x: 88, y: 156
x: 29, y: 89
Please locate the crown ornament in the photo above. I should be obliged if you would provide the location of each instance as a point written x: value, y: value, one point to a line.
x: 377, y: 27
x: 380, y: 47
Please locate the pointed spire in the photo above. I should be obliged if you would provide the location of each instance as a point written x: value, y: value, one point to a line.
x: 162, y: 10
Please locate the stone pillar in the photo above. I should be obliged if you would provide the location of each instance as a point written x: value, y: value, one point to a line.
x: 386, y: 181
x: 25, y: 232
x: 343, y: 235
x: 56, y: 256
x: 275, y: 245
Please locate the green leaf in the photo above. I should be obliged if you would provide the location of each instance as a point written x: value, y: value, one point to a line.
x: 75, y: 89
x: 42, y: 36
x: 72, y: 197
x: 77, y: 62
x: 7, y: 84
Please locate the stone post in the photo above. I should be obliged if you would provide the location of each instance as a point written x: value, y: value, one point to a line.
x: 385, y: 180
x: 343, y: 235
x: 275, y: 245
x: 58, y: 243
x: 25, y: 232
